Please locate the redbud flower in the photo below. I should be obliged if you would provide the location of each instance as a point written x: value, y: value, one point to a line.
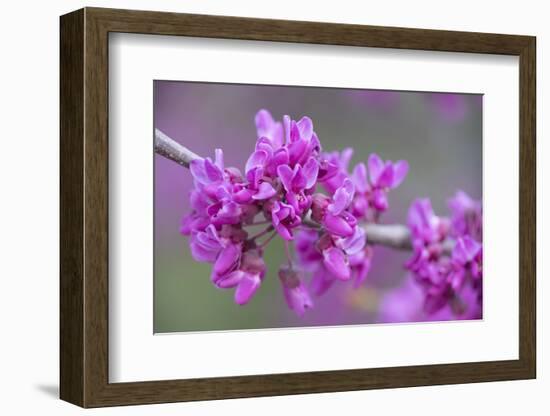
x: 384, y: 176
x: 466, y: 215
x: 331, y: 212
x: 335, y: 169
x: 296, y: 294
x: 246, y: 278
x: 269, y: 129
x: 284, y: 219
x: 446, y: 277
x: 297, y: 182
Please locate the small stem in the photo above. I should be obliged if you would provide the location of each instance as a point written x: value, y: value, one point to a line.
x: 458, y: 305
x: 266, y: 242
x: 252, y: 224
x: 288, y: 256
x: 262, y: 233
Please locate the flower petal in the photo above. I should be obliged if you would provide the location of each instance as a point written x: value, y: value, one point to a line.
x: 219, y: 158
x: 421, y: 214
x: 198, y: 201
x: 376, y: 166
x: 335, y: 261
x: 208, y: 241
x: 265, y: 144
x: 197, y: 171
x: 246, y: 288
x: 227, y: 259
x: 264, y: 123
x: 342, y: 197
x: 305, y: 127
x: 256, y: 160
x: 297, y: 299
x: 380, y: 200
x: 294, y: 132
x: 359, y: 178
x: 243, y: 196
x: 310, y: 171
x: 299, y: 180
x: 385, y: 180
x: 230, y: 280
x: 213, y: 172
x: 285, y: 175
x: 337, y: 225
x: 327, y: 170
x: 296, y: 150
x: 354, y: 244
x: 280, y: 157
x: 265, y: 191
x: 465, y: 250
x: 202, y: 253
x: 400, y: 170
x: 286, y: 124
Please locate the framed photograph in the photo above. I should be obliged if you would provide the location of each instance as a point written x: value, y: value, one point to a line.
x: 260, y: 207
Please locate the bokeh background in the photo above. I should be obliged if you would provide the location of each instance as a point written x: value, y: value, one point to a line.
x: 439, y: 134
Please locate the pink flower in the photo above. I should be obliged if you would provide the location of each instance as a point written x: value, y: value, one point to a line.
x: 384, y: 176
x: 444, y: 276
x: 334, y: 169
x: 467, y: 256
x: 301, y: 140
x: 245, y: 275
x: 284, y: 219
x: 337, y: 253
x: 269, y: 129
x: 370, y: 188
x: 332, y: 213
x: 466, y: 215
x: 296, y: 294
x: 310, y: 260
x: 329, y: 258
x: 297, y: 182
x: 424, y: 224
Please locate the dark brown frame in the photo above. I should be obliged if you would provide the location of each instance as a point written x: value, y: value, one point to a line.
x: 84, y: 207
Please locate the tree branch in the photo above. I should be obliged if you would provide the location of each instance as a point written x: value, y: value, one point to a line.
x: 170, y: 149
x: 391, y: 235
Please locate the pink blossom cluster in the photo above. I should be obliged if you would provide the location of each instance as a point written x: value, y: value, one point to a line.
x: 447, y: 255
x: 297, y: 192
x: 360, y: 195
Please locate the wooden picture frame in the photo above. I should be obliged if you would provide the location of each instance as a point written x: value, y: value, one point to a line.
x: 84, y: 207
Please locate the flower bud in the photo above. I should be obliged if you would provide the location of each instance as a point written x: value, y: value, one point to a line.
x: 319, y: 207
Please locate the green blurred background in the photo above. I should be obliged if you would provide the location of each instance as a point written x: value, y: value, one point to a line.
x: 439, y: 134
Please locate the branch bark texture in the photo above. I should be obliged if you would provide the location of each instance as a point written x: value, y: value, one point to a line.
x: 170, y: 149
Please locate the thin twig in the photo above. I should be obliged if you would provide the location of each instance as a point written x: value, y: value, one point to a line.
x: 170, y: 149
x: 392, y: 235
x: 262, y: 233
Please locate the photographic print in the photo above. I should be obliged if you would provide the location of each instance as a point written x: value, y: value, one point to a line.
x: 289, y: 206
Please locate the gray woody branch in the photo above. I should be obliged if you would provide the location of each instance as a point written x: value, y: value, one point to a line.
x: 394, y: 235
x: 170, y: 149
